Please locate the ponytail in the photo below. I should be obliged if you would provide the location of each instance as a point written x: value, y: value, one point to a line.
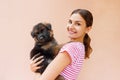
x: 88, y: 48
x: 88, y: 17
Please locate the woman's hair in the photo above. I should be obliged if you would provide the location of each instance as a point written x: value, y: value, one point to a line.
x: 87, y: 16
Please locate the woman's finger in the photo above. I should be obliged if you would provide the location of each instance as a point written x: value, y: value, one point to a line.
x: 34, y: 66
x: 33, y: 69
x: 35, y: 60
x: 37, y: 63
x: 34, y: 56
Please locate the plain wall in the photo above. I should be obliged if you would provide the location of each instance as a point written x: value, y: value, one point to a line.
x: 17, y: 18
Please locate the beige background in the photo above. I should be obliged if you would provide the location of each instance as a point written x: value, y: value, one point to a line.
x: 17, y: 18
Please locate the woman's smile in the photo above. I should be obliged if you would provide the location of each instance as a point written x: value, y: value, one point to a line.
x: 72, y: 32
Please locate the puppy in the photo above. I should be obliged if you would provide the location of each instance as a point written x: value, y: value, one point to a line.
x: 45, y: 45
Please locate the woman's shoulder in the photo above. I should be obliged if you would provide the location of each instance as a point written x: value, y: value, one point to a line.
x: 74, y: 44
x: 74, y: 49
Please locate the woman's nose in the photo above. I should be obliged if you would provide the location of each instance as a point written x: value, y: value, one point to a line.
x: 71, y: 26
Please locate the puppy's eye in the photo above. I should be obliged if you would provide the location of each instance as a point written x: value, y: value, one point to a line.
x: 42, y: 30
x: 37, y: 32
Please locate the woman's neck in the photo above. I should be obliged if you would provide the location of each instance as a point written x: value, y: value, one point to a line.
x: 76, y: 40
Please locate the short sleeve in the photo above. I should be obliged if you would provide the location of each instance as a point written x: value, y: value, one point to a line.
x: 72, y: 50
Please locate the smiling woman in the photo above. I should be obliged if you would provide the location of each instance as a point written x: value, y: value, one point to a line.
x: 76, y: 23
x: 17, y: 18
x: 79, y: 25
x: 74, y: 52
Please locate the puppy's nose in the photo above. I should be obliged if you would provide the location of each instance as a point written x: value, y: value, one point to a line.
x: 40, y: 37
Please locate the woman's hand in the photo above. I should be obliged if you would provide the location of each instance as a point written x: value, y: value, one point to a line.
x: 34, y: 63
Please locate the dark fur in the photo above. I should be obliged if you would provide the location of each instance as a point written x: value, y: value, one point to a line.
x: 45, y: 45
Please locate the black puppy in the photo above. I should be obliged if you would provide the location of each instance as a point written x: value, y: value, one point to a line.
x: 45, y: 45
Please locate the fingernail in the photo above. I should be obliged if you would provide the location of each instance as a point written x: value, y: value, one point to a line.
x: 41, y: 56
x: 42, y: 60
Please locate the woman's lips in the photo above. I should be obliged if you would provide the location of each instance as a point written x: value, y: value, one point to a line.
x: 72, y: 32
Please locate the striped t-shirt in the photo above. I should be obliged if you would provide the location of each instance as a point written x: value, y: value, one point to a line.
x: 76, y: 52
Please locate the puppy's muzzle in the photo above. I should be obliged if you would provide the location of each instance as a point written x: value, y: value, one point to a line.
x: 40, y: 38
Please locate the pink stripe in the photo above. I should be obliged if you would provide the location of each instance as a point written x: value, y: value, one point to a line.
x: 76, y: 52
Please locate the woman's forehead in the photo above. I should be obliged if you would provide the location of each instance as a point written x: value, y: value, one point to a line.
x: 76, y: 17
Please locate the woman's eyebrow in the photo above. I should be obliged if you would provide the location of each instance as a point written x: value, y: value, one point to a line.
x: 75, y: 20
x: 78, y: 21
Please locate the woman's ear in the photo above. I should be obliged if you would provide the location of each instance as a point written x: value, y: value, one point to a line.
x: 88, y: 29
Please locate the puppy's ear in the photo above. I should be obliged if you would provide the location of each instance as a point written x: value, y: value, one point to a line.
x: 51, y: 33
x: 48, y: 25
x: 32, y: 34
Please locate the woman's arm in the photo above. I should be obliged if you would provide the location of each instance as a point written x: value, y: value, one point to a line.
x: 56, y: 66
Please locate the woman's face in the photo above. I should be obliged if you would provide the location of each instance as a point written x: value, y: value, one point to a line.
x: 76, y: 27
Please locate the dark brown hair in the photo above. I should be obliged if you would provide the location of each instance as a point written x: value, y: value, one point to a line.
x: 87, y: 16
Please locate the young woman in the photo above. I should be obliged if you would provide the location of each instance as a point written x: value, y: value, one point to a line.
x: 70, y: 58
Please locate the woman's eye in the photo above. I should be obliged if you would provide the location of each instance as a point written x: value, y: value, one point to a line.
x: 70, y: 22
x: 78, y: 24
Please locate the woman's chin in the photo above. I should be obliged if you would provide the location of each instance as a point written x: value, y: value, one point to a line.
x: 71, y: 37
